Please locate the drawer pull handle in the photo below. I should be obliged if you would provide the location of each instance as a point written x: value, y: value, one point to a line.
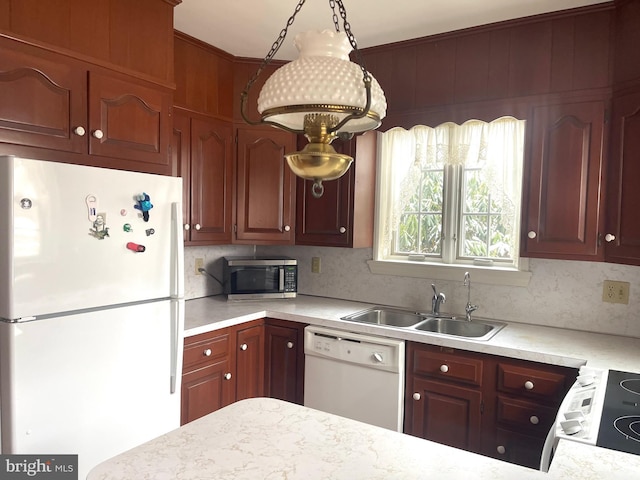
x: 416, y: 396
x: 243, y: 346
x: 444, y: 368
x: 528, y: 385
x: 532, y: 234
x: 187, y: 226
x: 79, y: 131
x: 501, y: 449
x: 227, y: 376
x: 197, y: 226
x: 534, y: 420
x: 207, y: 352
x: 289, y: 344
x: 343, y: 230
x: 609, y: 237
x: 98, y: 134
x: 287, y: 228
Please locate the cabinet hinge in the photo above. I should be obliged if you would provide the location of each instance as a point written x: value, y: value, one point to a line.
x: 235, y: 139
x: 481, y: 407
x: 235, y: 228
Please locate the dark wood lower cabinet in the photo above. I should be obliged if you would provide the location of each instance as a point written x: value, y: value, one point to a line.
x: 447, y: 414
x: 260, y: 358
x: 496, y: 406
x: 284, y: 365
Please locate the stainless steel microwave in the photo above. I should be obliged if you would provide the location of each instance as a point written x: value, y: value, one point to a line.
x: 258, y: 277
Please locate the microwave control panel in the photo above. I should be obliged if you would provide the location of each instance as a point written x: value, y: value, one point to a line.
x: 290, y: 275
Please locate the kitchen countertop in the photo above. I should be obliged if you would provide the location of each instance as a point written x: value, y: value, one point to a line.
x: 264, y: 438
x: 517, y: 340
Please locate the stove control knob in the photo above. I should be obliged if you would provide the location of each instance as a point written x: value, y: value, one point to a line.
x: 534, y: 420
x: 528, y: 385
x: 378, y: 357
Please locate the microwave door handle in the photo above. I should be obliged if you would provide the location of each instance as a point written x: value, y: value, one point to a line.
x: 281, y: 284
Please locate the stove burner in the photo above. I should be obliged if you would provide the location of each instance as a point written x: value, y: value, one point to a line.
x: 629, y: 427
x: 631, y: 385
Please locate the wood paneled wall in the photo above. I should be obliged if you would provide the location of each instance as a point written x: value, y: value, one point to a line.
x: 116, y: 31
x: 551, y: 54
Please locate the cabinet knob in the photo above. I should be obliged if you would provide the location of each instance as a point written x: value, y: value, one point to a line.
x: 289, y: 344
x: 187, y: 226
x: 207, y: 352
x: 534, y: 420
x: 243, y: 346
x: 528, y: 385
x: 197, y: 226
x: 609, y: 238
x: 444, y: 368
x: 98, y: 134
x: 287, y: 228
x: 532, y: 234
x: 227, y: 376
x: 343, y: 230
x: 501, y: 449
x: 80, y: 131
x: 416, y: 396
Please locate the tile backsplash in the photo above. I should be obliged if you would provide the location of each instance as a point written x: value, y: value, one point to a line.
x: 561, y: 293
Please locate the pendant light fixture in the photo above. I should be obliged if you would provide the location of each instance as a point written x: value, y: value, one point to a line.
x: 321, y: 95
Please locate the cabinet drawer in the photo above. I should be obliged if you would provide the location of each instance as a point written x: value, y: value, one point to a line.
x: 525, y: 415
x: 206, y: 348
x: 531, y: 382
x: 452, y: 366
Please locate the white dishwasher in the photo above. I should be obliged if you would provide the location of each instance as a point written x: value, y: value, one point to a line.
x: 355, y: 376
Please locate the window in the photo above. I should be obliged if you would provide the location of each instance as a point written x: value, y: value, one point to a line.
x: 451, y: 195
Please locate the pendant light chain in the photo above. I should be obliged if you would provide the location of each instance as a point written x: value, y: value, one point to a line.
x: 274, y: 49
x: 351, y: 37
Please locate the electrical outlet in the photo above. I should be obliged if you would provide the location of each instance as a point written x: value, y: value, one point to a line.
x: 199, y: 263
x: 315, y: 265
x: 615, y: 292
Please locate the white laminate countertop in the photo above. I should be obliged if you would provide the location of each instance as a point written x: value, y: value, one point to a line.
x: 264, y: 438
x: 517, y: 340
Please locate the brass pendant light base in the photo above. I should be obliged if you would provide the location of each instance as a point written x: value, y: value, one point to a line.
x: 318, y: 160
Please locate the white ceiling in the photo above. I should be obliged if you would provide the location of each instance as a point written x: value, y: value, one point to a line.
x: 248, y: 28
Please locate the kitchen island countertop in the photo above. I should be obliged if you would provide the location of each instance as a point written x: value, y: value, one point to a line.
x: 517, y: 340
x: 264, y: 438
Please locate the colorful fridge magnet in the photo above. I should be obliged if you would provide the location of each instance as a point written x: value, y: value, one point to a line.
x: 99, y: 228
x: 150, y: 231
x: 127, y: 227
x: 134, y: 247
x: 92, y: 207
x: 144, y: 205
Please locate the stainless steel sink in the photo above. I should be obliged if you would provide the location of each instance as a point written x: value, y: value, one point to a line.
x: 476, y: 329
x: 390, y: 317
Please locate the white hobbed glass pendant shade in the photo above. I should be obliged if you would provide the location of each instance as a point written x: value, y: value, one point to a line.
x: 322, y: 79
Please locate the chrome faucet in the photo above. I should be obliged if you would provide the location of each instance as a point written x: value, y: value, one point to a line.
x: 469, y: 308
x: 437, y: 300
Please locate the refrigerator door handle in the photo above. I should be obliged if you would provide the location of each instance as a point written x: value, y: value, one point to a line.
x: 177, y: 324
x: 177, y: 252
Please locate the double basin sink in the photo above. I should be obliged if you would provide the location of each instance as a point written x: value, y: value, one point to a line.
x: 424, y: 322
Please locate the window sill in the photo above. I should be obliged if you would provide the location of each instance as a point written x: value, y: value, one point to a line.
x: 491, y: 276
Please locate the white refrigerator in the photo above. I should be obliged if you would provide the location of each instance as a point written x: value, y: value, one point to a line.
x: 91, y: 309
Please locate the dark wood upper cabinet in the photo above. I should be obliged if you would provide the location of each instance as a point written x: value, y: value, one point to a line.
x: 623, y: 194
x: 128, y: 120
x: 202, y: 149
x: 343, y: 215
x: 265, y: 188
x: 42, y: 100
x: 563, y: 216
